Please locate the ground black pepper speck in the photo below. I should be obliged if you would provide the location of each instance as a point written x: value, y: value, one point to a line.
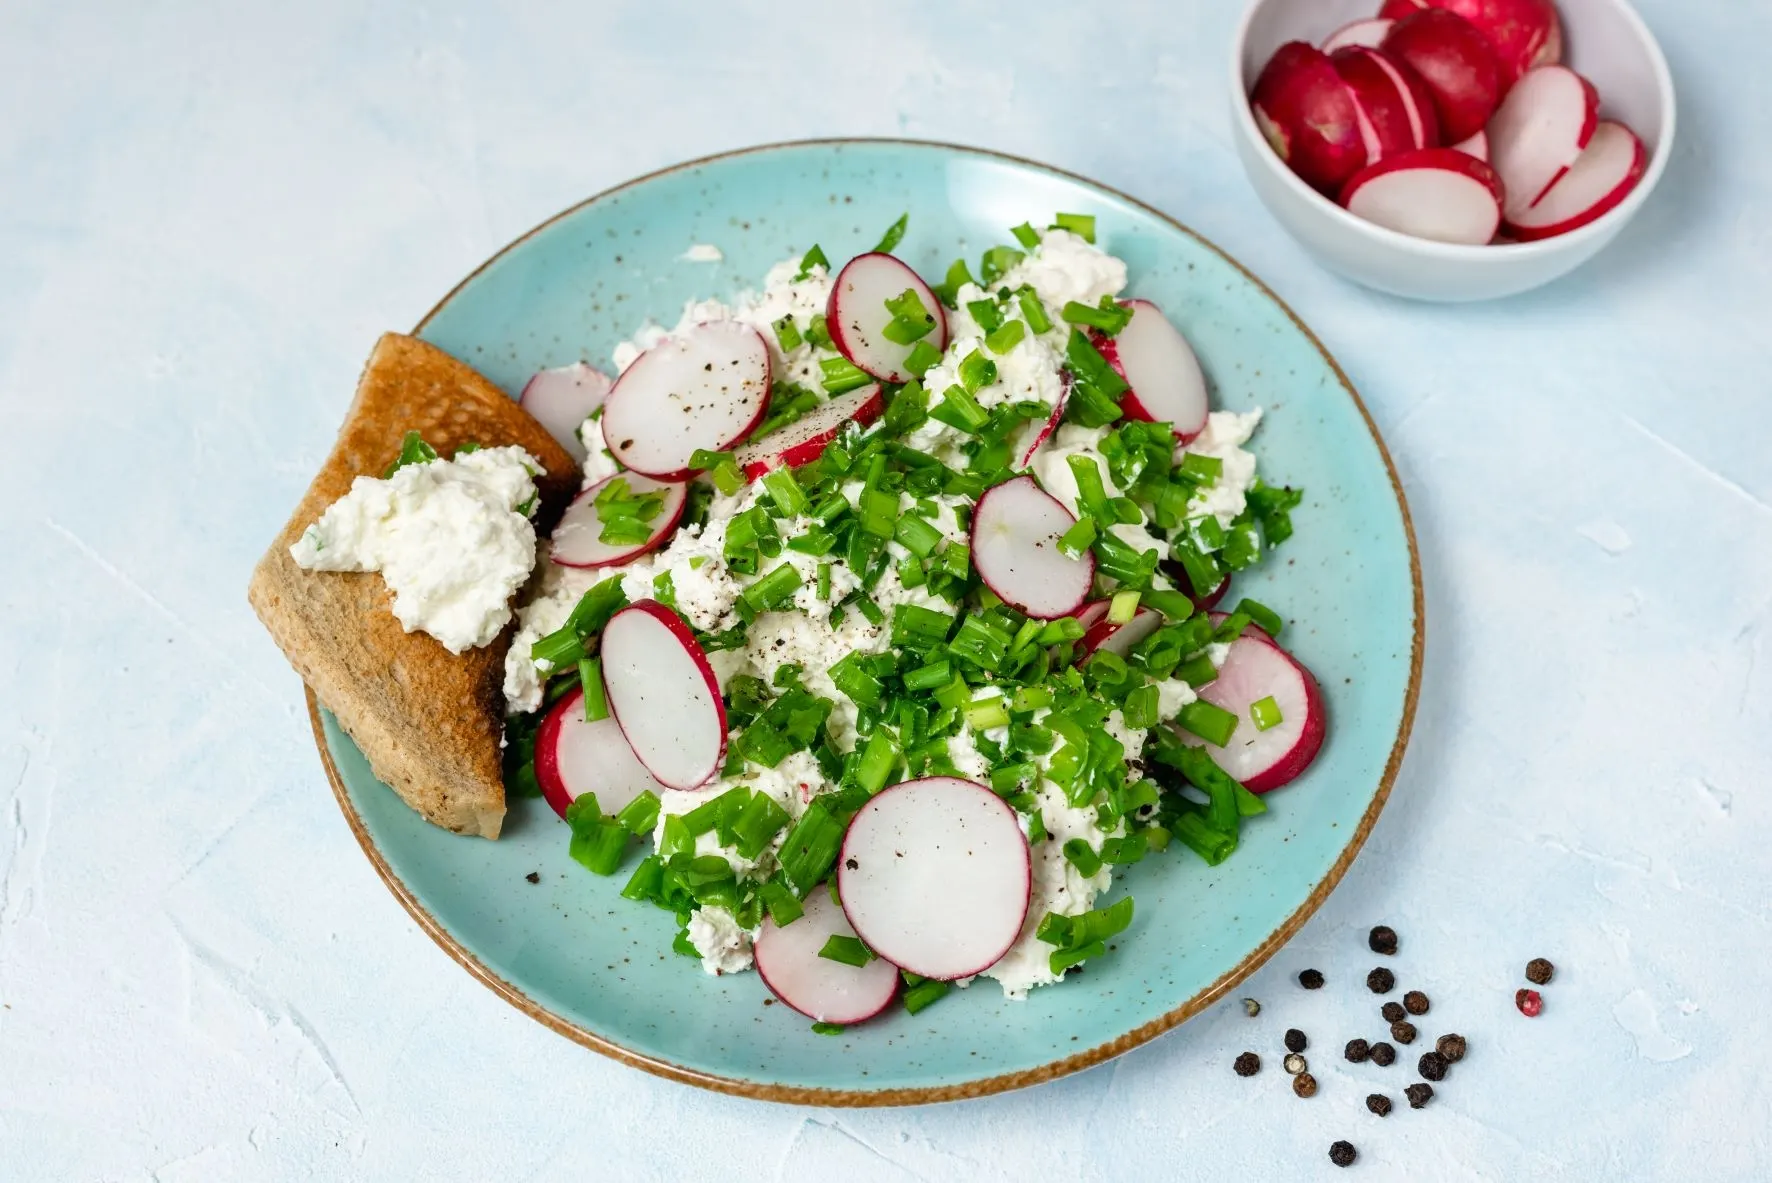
x: 1419, y: 1095
x: 1382, y: 939
x: 1311, y: 979
x: 1357, y: 1051
x: 1379, y: 1104
x: 1452, y: 1047
x: 1381, y: 981
x: 1342, y: 1154
x: 1393, y: 1012
x: 1415, y: 1002
x: 1403, y: 1032
x: 1432, y: 1066
x: 1539, y: 971
x: 1247, y: 1064
x: 1295, y: 1040
x: 1383, y: 1054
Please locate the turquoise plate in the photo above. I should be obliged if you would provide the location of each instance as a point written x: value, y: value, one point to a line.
x: 574, y: 955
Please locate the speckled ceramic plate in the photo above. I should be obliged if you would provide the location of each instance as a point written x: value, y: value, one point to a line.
x: 572, y: 954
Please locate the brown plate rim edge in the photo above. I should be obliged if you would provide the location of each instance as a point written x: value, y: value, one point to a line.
x: 987, y: 1086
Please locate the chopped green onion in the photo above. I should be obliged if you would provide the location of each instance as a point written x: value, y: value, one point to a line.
x: 558, y: 649
x: 1082, y: 225
x: 923, y: 993
x: 869, y: 609
x: 850, y: 676
x: 981, y: 642
x: 839, y: 375
x: 1202, y: 470
x: 878, y: 513
x: 959, y: 409
x: 413, y: 450
x: 1078, y: 538
x: 676, y: 838
x: 784, y: 906
x: 1109, y: 317
x: 997, y: 262
x: 1079, y: 854
x: 1262, y: 615
x: 590, y: 678
x: 787, y: 334
x: 774, y: 589
x: 812, y: 258
x: 977, y: 371
x: 1140, y: 708
x: 930, y: 676
x: 1197, y: 671
x: 1265, y: 713
x: 986, y: 313
x: 824, y: 581
x: 846, y: 950
x: 1031, y: 698
x: 876, y: 762
x: 1193, y: 832
x: 894, y: 235
x: 597, y: 842
x: 828, y: 1028
x: 757, y: 824
x: 1172, y: 604
x: 1123, y: 607
x: 984, y: 713
x: 640, y: 816
x: 917, y: 628
x: 819, y: 332
x: 721, y: 466
x: 1026, y: 235
x: 948, y: 290
x: 918, y: 536
x: 786, y: 492
x: 811, y: 846
x: 1033, y: 311
x: 1209, y: 721
x: 1006, y: 338
x: 646, y: 881
x: 921, y: 359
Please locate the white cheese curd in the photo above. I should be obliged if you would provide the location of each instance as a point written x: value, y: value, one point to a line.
x: 1066, y: 267
x: 1226, y: 433
x: 703, y: 252
x: 725, y: 948
x: 600, y: 464
x: 677, y: 802
x: 557, y: 592
x: 1172, y: 695
x: 451, y: 538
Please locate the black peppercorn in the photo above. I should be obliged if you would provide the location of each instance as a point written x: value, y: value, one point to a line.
x: 1419, y: 1095
x: 1379, y: 1104
x: 1295, y: 1040
x: 1403, y: 1032
x: 1432, y: 1066
x: 1381, y: 981
x: 1304, y: 1084
x: 1342, y: 1154
x: 1383, y: 939
x: 1247, y: 1064
x: 1357, y: 1050
x: 1452, y: 1047
x: 1393, y: 1012
x: 1384, y: 1055
x: 1415, y: 1002
x: 1311, y: 979
x: 1539, y: 971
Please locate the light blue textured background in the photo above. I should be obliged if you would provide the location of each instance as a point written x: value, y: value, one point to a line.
x: 208, y: 211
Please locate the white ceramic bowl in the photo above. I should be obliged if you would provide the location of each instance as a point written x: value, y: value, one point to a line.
x: 1606, y: 41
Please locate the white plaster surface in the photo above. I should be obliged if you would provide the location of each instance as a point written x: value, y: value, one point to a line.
x: 209, y: 210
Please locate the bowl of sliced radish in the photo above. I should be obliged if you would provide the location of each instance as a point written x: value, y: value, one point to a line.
x: 1451, y: 150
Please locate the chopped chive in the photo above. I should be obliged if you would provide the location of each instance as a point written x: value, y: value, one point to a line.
x: 1026, y: 235
x: 1265, y: 713
x: 1006, y: 338
x: 784, y: 906
x: 1082, y: 856
x: 984, y: 713
x: 1123, y: 607
x: 824, y: 581
x: 960, y: 410
x: 1262, y: 615
x: 590, y: 678
x: 640, y: 816
x: 558, y: 649
x: 1109, y: 317
x: 921, y: 359
x: 1203, y: 470
x: 986, y: 313
x: 923, y: 993
x: 839, y: 375
x: 1031, y: 698
x: 1209, y: 721
x: 894, y: 235
x: 812, y: 258
x: 818, y: 332
x: 828, y: 1028
x: 997, y: 262
x: 786, y: 492
x: 1082, y: 225
x: 787, y: 335
x: 413, y: 450
x: 928, y: 677
x: 847, y: 950
x: 977, y: 371
x: 1078, y: 538
x: 948, y: 290
x: 1033, y: 311
x: 918, y: 536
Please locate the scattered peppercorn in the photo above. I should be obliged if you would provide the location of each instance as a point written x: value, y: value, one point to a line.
x: 1393, y: 1012
x: 1357, y: 1051
x: 1530, y: 1002
x: 1415, y: 1002
x: 1539, y: 971
x: 1383, y: 939
x: 1251, y: 1007
x: 1379, y: 1104
x: 1432, y: 1066
x: 1247, y: 1064
x: 1452, y: 1047
x: 1381, y: 981
x: 1419, y: 1095
x: 1305, y: 1085
x: 1295, y: 1040
x: 1383, y: 1054
x: 1403, y: 1032
x: 533, y: 876
x: 1342, y: 1154
x: 1295, y: 1064
x: 1311, y: 979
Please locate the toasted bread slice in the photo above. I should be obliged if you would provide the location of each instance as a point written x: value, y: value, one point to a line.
x: 429, y: 721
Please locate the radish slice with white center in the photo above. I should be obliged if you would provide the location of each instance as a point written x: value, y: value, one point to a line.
x: 705, y: 389
x: 1119, y: 639
x: 577, y: 539
x: 934, y: 875
x: 663, y: 692
x: 562, y: 399
x: 857, y: 317
x: 805, y: 439
x: 823, y: 990
x: 1160, y: 367
x: 1603, y: 176
x: 1035, y: 433
x: 1015, y: 531
x: 1093, y: 613
x: 1477, y: 146
x: 1256, y: 668
x: 1542, y: 126
x: 1438, y: 193
x: 1367, y: 34
x: 573, y: 757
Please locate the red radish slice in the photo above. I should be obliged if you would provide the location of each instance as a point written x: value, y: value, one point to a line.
x: 1523, y: 33
x: 705, y: 389
x: 1032, y: 435
x: 805, y: 439
x: 1257, y: 668
x: 1160, y: 366
x: 1396, y: 107
x: 1119, y: 639
x: 1015, y: 530
x: 664, y: 694
x: 1092, y: 614
x: 1543, y: 125
x: 577, y: 541
x: 1602, y: 177
x: 1477, y: 146
x: 1367, y: 33
x: 823, y: 990
x: 934, y: 875
x: 1438, y: 193
x: 562, y: 399
x: 1457, y: 65
x: 856, y: 315
x: 1307, y: 115
x: 1418, y: 103
x: 573, y: 757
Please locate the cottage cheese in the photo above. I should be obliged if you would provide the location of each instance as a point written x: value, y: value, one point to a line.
x: 1223, y: 439
x: 451, y: 538
x: 1066, y: 267
x: 725, y: 948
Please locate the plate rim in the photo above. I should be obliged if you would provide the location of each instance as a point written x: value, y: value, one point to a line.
x: 1001, y: 1082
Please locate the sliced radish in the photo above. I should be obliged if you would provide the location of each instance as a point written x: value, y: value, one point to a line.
x: 705, y: 389
x: 664, y: 694
x: 1457, y: 65
x: 562, y: 399
x: 573, y: 757
x: 1119, y: 639
x: 1437, y: 193
x: 1602, y: 177
x: 823, y: 990
x: 1160, y: 367
x: 1015, y: 531
x: 1418, y: 103
x: 1257, y: 668
x: 1308, y: 115
x: 805, y: 439
x: 934, y: 875
x: 857, y: 316
x: 1367, y: 32
x: 577, y: 539
x: 1092, y: 614
x: 1395, y: 106
x: 1523, y: 33
x: 1543, y: 125
x: 1033, y: 434
x: 1477, y: 146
